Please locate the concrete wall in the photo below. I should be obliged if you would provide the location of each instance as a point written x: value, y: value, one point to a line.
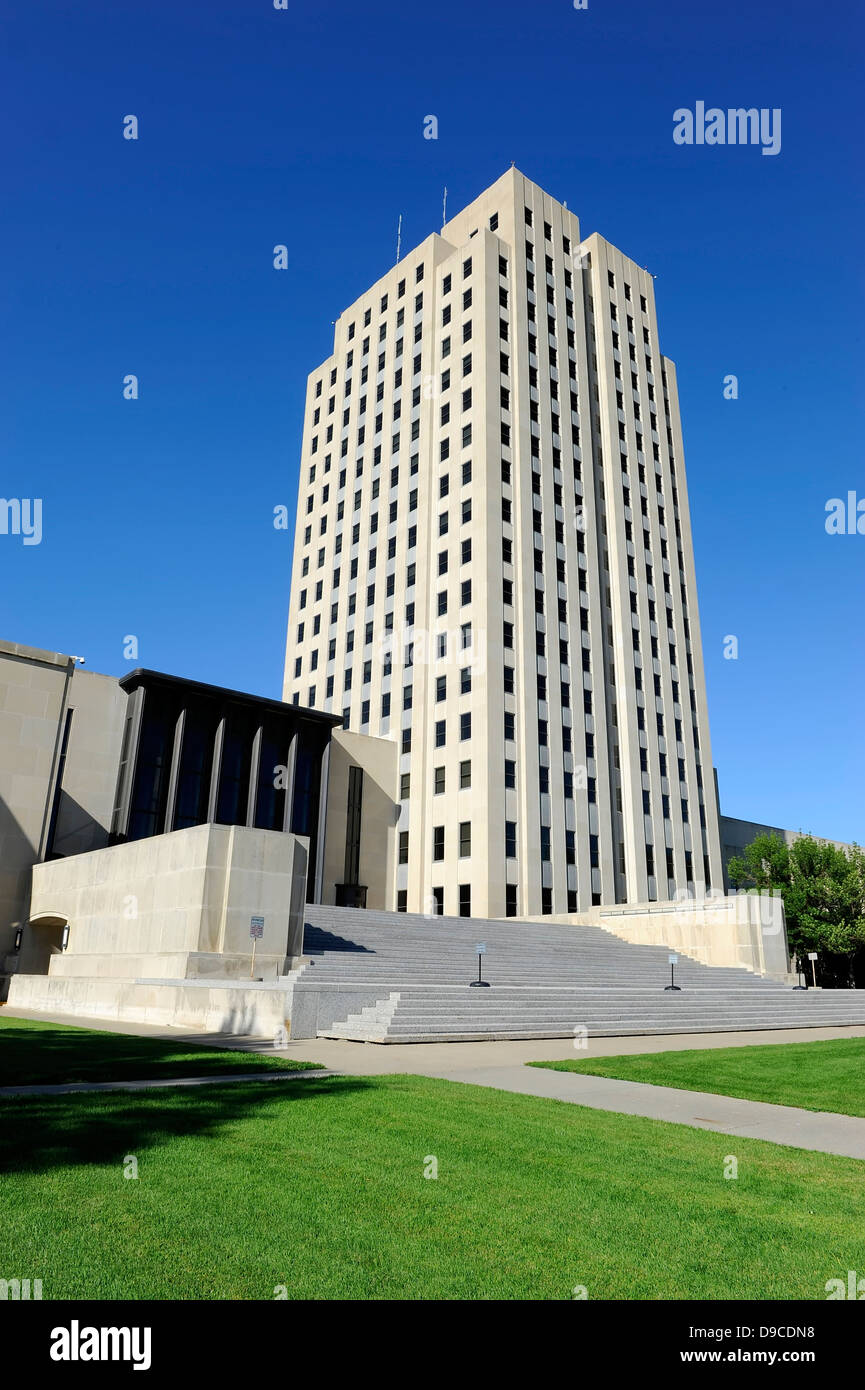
x: 203, y: 1006
x: 742, y: 930
x: 172, y: 905
x: 90, y: 773
x: 38, y: 689
x: 378, y: 758
x: 33, y: 692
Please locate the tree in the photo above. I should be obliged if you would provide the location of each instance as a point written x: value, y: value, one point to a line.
x: 765, y: 864
x: 823, y: 888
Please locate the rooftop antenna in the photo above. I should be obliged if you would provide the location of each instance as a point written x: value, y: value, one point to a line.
x: 445, y: 207
x: 398, y: 237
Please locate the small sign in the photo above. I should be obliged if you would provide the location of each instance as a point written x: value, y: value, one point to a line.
x: 481, y: 948
x: 256, y: 928
x: 673, y: 958
x: 812, y: 955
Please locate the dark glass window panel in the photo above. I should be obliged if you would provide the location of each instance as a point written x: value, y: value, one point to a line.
x: 196, y: 761
x: 233, y: 791
x: 270, y: 799
x: 153, y: 766
x: 301, y: 815
x: 304, y: 815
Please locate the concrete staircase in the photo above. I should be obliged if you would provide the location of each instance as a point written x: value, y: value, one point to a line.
x: 547, y: 981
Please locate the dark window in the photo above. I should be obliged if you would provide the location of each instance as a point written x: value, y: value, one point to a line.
x: 153, y: 761
x: 304, y: 815
x: 271, y: 791
x: 353, y: 824
x: 193, y: 782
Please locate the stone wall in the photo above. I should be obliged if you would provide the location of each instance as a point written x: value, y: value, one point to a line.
x: 741, y: 929
x: 171, y: 906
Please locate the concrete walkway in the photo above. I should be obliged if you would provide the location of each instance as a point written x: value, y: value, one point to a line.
x: 779, y: 1124
x: 502, y: 1066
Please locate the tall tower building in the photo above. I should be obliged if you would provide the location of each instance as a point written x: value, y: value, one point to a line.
x: 493, y: 568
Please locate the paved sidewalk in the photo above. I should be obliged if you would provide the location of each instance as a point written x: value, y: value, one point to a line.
x: 455, y: 1059
x: 373, y: 1059
x: 779, y: 1124
x: 501, y: 1066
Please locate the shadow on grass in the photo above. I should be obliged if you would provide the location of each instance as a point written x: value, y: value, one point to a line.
x: 42, y: 1053
x: 41, y: 1133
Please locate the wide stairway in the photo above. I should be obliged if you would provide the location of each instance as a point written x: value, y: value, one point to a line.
x: 547, y: 981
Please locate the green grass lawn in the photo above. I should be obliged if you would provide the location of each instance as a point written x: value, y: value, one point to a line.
x: 36, y: 1053
x: 320, y: 1187
x: 826, y: 1075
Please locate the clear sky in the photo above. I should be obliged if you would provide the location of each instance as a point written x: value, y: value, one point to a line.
x: 304, y: 126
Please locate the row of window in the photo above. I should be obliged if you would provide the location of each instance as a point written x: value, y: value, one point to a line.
x: 611, y: 280
x: 464, y: 899
x: 438, y: 903
x: 590, y: 784
x: 464, y: 842
x: 464, y: 849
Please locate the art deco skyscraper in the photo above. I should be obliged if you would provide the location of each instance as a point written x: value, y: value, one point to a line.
x: 493, y: 567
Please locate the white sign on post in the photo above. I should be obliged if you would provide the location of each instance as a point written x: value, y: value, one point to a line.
x: 481, y: 948
x: 673, y: 958
x: 256, y: 932
x: 812, y: 955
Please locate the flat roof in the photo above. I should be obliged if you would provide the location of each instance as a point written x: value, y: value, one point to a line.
x: 143, y: 675
x: 34, y: 654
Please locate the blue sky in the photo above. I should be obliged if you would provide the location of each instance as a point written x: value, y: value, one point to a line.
x: 305, y: 127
